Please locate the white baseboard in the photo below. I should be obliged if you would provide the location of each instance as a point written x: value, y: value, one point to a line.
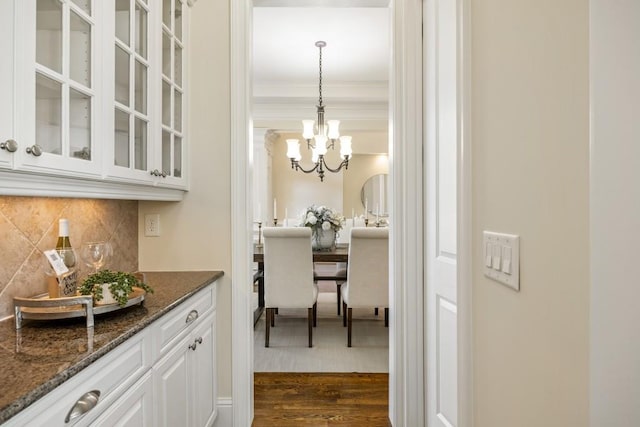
x: 225, y: 413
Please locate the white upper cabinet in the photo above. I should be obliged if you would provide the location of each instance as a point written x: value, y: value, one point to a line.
x: 56, y: 90
x: 8, y: 145
x: 97, y: 92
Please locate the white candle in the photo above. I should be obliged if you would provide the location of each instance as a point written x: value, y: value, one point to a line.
x: 286, y: 215
x: 366, y: 208
x: 275, y: 209
x: 259, y: 212
x: 377, y: 211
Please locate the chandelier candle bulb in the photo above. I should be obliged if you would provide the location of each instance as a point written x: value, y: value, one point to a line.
x: 321, y: 144
x: 293, y: 149
x: 307, y: 129
x: 275, y: 209
x: 333, y: 132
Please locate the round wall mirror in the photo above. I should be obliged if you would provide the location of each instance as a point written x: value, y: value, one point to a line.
x: 374, y: 194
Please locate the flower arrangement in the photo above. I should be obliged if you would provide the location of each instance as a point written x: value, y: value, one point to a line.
x: 322, y: 218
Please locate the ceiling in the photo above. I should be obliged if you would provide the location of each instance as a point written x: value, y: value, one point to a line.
x: 355, y: 62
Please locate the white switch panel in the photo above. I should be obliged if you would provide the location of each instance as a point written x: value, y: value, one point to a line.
x: 502, y: 258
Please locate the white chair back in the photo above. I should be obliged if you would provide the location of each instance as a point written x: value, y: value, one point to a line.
x: 359, y: 222
x: 345, y: 232
x: 288, y: 267
x: 368, y: 268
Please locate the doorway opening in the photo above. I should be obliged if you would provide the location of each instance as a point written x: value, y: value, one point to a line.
x: 354, y: 77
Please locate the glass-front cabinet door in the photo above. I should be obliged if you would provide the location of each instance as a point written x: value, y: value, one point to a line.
x: 56, y: 101
x: 129, y: 98
x: 172, y: 153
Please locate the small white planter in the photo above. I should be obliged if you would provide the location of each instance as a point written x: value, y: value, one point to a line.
x: 107, y: 296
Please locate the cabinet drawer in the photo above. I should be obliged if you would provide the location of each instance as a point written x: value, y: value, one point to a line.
x: 176, y: 323
x: 111, y: 375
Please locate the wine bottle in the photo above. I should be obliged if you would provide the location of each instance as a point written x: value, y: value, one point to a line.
x: 63, y: 247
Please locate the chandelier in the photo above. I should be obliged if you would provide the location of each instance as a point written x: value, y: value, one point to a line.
x: 326, y: 136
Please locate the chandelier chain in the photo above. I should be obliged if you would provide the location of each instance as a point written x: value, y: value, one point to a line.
x: 320, y: 74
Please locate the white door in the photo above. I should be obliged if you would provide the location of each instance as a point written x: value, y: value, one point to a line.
x: 441, y: 133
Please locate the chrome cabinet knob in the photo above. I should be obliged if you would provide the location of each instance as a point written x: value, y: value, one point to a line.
x: 10, y: 145
x: 35, y: 149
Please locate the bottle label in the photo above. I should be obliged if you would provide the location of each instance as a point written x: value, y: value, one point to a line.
x: 68, y: 284
x: 57, y: 263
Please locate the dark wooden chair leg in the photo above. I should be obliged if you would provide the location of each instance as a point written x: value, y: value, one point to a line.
x: 375, y: 311
x: 310, y: 321
x: 338, y: 286
x: 274, y: 311
x: 315, y: 314
x: 349, y: 316
x: 386, y: 317
x: 268, y: 323
x: 344, y: 313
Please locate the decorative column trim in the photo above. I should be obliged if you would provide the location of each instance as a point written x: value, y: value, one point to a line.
x: 270, y: 138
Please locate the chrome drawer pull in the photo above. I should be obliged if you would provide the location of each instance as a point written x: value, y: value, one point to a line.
x: 193, y: 315
x: 87, y: 402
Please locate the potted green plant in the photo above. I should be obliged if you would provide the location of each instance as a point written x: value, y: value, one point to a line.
x: 110, y: 287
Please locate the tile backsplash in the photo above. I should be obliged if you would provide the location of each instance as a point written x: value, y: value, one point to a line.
x: 29, y: 225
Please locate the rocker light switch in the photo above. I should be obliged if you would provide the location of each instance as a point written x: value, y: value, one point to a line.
x: 496, y: 257
x: 487, y: 254
x: 502, y: 258
x: 506, y: 259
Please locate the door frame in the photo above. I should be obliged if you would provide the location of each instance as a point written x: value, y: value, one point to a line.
x: 407, y: 335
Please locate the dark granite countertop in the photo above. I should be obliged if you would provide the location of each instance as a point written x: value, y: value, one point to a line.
x: 44, y: 354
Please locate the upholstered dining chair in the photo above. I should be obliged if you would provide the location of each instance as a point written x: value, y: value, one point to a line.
x: 288, y: 274
x: 367, y: 283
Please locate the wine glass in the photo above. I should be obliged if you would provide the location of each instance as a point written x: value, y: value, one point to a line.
x: 96, y: 254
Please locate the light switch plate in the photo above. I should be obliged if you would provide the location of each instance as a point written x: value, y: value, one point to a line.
x: 506, y: 248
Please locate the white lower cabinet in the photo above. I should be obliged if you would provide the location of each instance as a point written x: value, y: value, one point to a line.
x: 184, y: 380
x: 165, y: 375
x: 133, y: 409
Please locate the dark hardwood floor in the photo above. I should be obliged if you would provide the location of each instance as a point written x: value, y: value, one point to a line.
x: 321, y: 399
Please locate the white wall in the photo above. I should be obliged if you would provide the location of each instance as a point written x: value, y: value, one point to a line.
x: 196, y: 232
x: 530, y: 143
x: 615, y: 213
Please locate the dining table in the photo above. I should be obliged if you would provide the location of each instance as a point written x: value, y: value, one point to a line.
x: 340, y: 253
